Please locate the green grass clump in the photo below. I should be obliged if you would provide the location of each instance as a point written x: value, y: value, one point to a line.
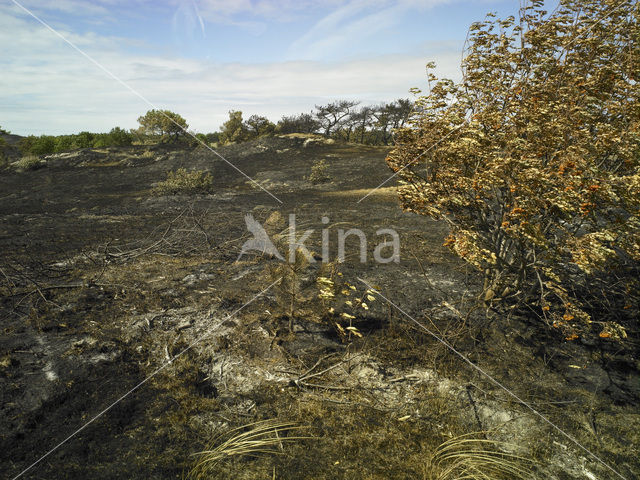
x: 29, y: 162
x: 184, y: 182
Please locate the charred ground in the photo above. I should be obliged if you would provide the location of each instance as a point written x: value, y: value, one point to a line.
x: 103, y: 282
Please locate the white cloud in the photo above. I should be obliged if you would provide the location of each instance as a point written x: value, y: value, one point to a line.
x: 353, y: 22
x: 47, y: 87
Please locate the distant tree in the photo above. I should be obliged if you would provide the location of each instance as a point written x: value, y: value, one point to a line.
x: 329, y: 116
x: 119, y: 137
x: 2, y: 130
x: 64, y: 143
x: 362, y: 120
x: 400, y: 112
x: 84, y: 140
x: 234, y: 129
x: 257, y: 126
x: 100, y: 140
x: 213, y: 137
x: 163, y: 123
x: 42, y: 145
x: 303, y: 123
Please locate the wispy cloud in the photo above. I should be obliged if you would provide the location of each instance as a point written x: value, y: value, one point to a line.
x: 352, y: 23
x: 46, y: 87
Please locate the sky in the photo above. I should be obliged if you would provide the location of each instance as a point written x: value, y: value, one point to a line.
x: 202, y: 58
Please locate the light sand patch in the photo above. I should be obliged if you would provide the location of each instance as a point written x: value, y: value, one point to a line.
x: 389, y: 193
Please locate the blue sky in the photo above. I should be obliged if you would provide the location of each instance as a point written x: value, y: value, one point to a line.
x: 202, y: 58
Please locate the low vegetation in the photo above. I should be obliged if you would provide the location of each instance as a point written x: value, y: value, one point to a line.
x: 343, y: 120
x: 319, y: 172
x: 475, y: 458
x: 29, y: 162
x: 182, y: 181
x: 266, y: 437
x: 533, y: 160
x: 48, y: 144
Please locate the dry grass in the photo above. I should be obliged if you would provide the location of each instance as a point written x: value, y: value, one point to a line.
x: 184, y: 182
x: 252, y: 440
x: 469, y: 457
x: 319, y: 172
x: 389, y: 193
x: 30, y: 162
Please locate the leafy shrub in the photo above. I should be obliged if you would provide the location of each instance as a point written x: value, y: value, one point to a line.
x: 84, y: 139
x: 533, y: 161
x: 42, y: 145
x: 119, y: 137
x: 100, y: 142
x: 183, y: 182
x: 319, y: 172
x: 213, y: 137
x: 29, y: 162
x: 64, y: 143
x: 234, y: 130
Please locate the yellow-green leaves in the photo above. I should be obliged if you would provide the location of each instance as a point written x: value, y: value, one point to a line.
x: 533, y: 159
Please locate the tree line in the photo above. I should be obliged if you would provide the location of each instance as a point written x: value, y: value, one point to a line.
x: 344, y: 120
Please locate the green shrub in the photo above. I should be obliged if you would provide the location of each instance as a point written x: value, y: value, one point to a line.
x: 64, y: 143
x: 42, y: 145
x: 319, y: 172
x: 233, y: 130
x: 532, y: 161
x: 84, y: 140
x: 119, y: 137
x: 29, y: 162
x: 181, y: 181
x: 101, y: 141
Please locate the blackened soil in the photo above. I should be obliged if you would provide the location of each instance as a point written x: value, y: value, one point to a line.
x: 102, y: 281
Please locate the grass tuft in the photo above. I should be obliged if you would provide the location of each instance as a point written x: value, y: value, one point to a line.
x: 265, y: 437
x: 468, y: 457
x: 30, y: 162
